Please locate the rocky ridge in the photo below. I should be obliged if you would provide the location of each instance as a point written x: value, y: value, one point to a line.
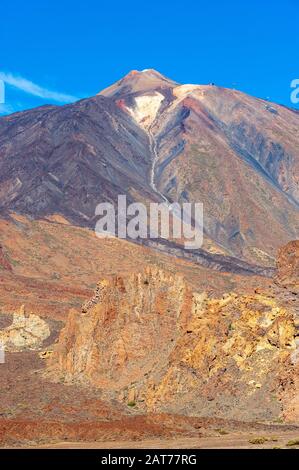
x: 149, y: 341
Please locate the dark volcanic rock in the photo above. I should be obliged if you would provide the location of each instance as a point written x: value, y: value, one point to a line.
x: 68, y: 159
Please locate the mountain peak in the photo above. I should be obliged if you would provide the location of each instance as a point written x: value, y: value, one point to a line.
x: 139, y: 81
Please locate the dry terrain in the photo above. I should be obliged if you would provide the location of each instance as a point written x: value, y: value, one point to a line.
x: 113, y: 343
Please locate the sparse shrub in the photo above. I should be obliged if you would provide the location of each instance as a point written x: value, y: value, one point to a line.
x: 279, y: 420
x: 222, y: 432
x: 294, y: 442
x: 258, y: 440
x: 131, y: 404
x: 55, y: 276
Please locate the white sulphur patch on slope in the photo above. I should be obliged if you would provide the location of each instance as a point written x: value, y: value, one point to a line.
x: 146, y: 108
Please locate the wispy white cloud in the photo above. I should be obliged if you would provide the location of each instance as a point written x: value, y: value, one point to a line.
x: 6, y: 109
x: 36, y: 90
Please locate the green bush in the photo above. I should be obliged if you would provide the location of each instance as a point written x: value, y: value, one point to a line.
x: 131, y: 404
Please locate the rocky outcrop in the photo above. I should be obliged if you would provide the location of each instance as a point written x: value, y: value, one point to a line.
x: 150, y: 342
x: 229, y: 361
x: 129, y: 332
x: 287, y: 278
x: 288, y: 266
x: 25, y: 332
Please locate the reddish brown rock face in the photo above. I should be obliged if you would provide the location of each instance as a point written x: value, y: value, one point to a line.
x: 4, y: 263
x: 148, y: 341
x: 129, y: 327
x: 288, y: 266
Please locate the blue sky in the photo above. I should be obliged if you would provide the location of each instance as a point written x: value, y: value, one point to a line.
x: 57, y: 51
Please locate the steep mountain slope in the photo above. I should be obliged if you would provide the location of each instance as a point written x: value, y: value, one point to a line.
x: 236, y: 154
x: 68, y: 159
x: 240, y: 159
x: 155, y: 140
